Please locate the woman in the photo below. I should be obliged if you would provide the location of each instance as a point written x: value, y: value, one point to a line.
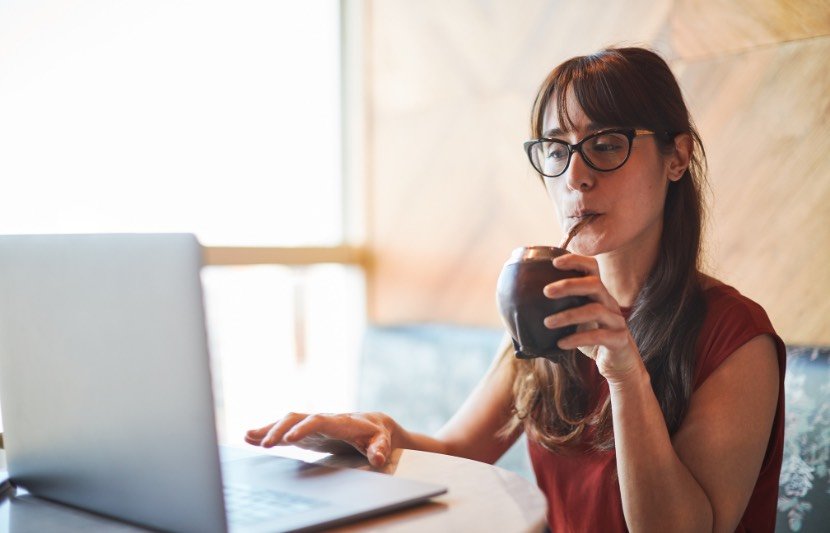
x: 674, y: 419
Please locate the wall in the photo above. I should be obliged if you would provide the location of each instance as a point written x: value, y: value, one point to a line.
x: 450, y: 193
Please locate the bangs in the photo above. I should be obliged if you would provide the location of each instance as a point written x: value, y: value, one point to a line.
x: 601, y: 85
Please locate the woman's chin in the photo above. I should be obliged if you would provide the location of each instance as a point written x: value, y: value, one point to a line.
x: 586, y: 245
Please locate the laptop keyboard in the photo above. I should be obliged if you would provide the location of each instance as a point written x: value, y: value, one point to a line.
x: 246, y: 505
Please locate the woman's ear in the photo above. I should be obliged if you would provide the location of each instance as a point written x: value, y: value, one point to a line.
x: 678, y: 161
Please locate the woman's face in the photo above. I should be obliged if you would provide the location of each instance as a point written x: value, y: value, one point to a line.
x: 628, y: 202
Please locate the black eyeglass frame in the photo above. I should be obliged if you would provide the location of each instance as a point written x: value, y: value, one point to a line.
x: 630, y: 133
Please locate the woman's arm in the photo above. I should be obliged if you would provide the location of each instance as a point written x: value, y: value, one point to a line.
x: 471, y: 432
x: 702, y: 478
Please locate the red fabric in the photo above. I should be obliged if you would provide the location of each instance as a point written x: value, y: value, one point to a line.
x: 581, y: 487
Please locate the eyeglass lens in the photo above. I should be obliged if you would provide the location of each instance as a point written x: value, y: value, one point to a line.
x: 606, y: 151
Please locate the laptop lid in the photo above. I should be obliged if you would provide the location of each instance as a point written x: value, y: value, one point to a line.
x: 97, y: 330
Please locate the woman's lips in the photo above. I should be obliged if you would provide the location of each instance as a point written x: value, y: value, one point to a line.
x: 582, y: 213
x: 581, y: 216
x: 582, y: 219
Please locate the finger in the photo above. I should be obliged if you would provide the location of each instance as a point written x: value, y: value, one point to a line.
x: 602, y: 337
x: 253, y: 440
x: 378, y: 450
x: 587, y: 326
x: 580, y: 263
x: 592, y: 312
x: 280, y: 428
x: 342, y: 427
x: 260, y: 432
x: 591, y: 351
x: 590, y: 286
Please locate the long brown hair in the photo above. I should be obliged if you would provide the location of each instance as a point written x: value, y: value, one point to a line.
x: 630, y: 87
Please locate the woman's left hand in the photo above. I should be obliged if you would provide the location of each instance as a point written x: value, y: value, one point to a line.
x: 609, y: 343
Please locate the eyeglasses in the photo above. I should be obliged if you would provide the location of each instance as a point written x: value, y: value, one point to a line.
x: 604, y: 150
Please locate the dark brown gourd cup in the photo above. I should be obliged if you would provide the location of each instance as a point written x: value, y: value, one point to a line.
x: 523, y: 306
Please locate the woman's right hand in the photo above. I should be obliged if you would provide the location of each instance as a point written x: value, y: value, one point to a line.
x: 369, y: 433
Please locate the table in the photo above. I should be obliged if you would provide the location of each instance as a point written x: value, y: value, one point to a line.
x: 481, y: 497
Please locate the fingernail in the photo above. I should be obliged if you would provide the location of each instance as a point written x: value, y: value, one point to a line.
x: 564, y: 345
x: 289, y: 436
x: 379, y: 459
x: 550, y: 322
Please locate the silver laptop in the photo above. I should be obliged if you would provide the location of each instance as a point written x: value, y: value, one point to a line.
x: 106, y: 397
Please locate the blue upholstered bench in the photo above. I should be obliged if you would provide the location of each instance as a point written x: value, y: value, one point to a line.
x: 804, y: 486
x: 421, y: 373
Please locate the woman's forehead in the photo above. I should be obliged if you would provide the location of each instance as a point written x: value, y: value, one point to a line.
x: 575, y: 120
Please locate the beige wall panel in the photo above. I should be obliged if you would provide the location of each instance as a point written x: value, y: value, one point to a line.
x: 451, y: 193
x: 765, y: 120
x: 714, y: 27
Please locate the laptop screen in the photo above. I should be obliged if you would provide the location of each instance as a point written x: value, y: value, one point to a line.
x: 105, y: 384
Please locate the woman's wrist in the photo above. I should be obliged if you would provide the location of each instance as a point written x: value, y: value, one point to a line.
x: 398, y: 437
x: 401, y: 438
x: 634, y: 376
x: 628, y: 369
x: 621, y: 363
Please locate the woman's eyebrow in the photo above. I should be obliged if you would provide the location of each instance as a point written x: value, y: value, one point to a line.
x: 592, y: 127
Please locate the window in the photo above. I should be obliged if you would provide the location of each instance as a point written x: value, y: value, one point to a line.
x: 284, y: 339
x: 217, y: 117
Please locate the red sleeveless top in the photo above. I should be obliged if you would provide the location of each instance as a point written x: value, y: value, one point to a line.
x: 582, y: 489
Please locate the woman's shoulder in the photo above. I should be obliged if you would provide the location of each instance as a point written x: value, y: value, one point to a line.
x: 731, y: 321
x: 725, y: 301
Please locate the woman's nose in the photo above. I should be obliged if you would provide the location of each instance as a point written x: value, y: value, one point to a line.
x: 579, y: 176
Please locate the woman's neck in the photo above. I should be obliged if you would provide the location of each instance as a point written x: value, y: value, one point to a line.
x: 624, y: 271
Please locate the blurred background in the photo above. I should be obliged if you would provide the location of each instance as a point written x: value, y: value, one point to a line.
x: 355, y: 167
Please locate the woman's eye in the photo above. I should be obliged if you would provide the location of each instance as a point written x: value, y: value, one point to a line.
x: 556, y: 152
x: 606, y: 147
x: 607, y: 143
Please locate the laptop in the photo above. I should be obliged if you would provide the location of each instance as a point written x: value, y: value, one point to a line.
x: 105, y: 389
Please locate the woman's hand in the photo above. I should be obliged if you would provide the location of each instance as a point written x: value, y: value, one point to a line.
x: 369, y: 433
x: 602, y: 332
